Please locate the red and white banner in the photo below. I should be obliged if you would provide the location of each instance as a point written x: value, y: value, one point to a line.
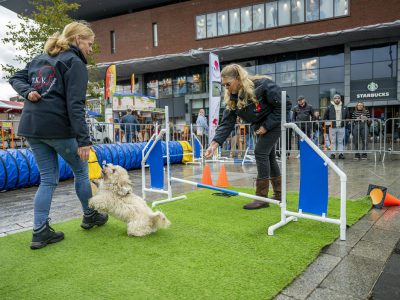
x: 214, y: 94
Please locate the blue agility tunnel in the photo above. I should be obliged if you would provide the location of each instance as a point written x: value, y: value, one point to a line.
x: 18, y: 167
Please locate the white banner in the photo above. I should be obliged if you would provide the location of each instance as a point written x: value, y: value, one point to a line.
x: 215, y: 94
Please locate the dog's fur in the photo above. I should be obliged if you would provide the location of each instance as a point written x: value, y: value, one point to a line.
x: 115, y: 196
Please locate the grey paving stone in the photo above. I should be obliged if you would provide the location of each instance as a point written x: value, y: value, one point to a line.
x: 338, y: 249
x: 10, y: 227
x: 328, y: 294
x: 354, y: 275
x: 375, y: 214
x: 372, y: 250
x: 283, y: 297
x: 392, y: 266
x: 386, y: 287
x: 311, y: 278
x: 352, y: 237
x: 382, y: 236
x: 390, y: 220
x: 363, y: 225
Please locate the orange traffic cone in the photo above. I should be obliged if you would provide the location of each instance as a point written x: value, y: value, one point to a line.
x: 380, y: 197
x: 222, y: 178
x: 206, y: 176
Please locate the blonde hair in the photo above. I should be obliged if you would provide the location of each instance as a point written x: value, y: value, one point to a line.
x: 246, y: 86
x: 60, y: 42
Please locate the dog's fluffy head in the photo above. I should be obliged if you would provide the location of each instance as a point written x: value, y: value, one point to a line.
x: 160, y: 220
x: 117, y: 178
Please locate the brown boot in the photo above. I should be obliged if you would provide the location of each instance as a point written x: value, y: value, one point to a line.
x: 262, y: 187
x: 277, y: 188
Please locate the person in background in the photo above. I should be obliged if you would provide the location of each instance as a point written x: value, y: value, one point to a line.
x: 256, y: 100
x: 303, y: 113
x: 317, y: 128
x: 361, y: 122
x: 202, y: 126
x: 53, y: 121
x: 335, y: 113
x: 129, y: 124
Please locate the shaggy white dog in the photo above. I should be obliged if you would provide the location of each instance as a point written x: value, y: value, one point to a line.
x: 115, y: 196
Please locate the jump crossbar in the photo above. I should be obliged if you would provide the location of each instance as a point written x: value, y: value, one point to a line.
x: 230, y: 192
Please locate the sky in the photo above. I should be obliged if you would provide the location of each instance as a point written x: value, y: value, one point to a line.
x: 7, y: 52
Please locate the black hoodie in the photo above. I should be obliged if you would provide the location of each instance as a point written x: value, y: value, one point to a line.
x: 61, y: 81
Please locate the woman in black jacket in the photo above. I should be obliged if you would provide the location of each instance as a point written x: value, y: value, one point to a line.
x: 256, y: 100
x: 53, y: 122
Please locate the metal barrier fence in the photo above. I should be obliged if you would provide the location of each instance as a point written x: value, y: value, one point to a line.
x: 368, y: 136
x: 392, y: 137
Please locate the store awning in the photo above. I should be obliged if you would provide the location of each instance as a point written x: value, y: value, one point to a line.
x: 11, y: 106
x: 241, y: 51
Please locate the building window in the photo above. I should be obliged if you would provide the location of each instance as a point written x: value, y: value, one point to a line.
x: 271, y: 14
x: 234, y: 24
x: 341, y: 7
x: 307, y: 71
x: 268, y: 15
x: 165, y: 88
x: 245, y: 19
x: 297, y: 11
x: 326, y: 9
x: 155, y: 35
x: 312, y: 10
x: 222, y: 23
x: 201, y: 27
x: 211, y: 25
x: 112, y: 38
x: 284, y: 12
x: 258, y: 17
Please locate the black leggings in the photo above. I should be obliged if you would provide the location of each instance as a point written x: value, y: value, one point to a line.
x: 267, y: 166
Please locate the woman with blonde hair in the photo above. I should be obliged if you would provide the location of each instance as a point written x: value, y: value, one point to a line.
x: 256, y: 100
x: 53, y: 122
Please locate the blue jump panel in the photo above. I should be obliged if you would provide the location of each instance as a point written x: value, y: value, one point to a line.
x: 313, y: 197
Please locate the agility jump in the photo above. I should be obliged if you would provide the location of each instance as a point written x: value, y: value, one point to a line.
x: 313, y: 194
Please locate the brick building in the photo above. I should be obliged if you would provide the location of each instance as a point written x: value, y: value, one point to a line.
x: 313, y: 48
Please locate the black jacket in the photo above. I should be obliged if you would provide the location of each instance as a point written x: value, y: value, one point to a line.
x: 303, y: 114
x: 267, y: 114
x: 61, y: 81
x: 330, y: 114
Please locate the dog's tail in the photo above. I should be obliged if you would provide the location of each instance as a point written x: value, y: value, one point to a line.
x: 160, y: 220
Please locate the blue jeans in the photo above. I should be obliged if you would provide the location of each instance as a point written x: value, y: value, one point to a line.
x: 45, y: 152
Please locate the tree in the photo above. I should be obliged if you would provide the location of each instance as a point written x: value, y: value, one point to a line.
x: 30, y: 35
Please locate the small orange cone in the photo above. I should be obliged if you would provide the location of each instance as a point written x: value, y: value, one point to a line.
x: 222, y: 178
x: 206, y: 176
x: 380, y: 197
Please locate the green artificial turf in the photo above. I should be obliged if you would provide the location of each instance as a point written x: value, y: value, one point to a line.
x: 213, y: 250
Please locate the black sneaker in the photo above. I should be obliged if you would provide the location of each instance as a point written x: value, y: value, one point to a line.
x: 332, y: 156
x: 95, y: 218
x: 357, y: 156
x: 45, y: 235
x: 341, y: 156
x: 364, y: 156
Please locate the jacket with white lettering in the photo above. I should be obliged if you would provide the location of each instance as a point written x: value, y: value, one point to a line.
x: 266, y: 113
x: 61, y: 81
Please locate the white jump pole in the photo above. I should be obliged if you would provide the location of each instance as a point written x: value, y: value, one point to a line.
x: 230, y: 192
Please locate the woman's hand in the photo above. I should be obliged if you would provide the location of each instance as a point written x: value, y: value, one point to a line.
x: 261, y: 131
x: 34, y: 96
x: 211, y: 149
x: 83, y: 152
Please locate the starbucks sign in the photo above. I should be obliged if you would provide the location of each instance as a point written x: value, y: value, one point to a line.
x: 373, y: 90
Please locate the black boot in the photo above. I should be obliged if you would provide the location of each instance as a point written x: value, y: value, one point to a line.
x: 262, y: 187
x: 95, y: 218
x: 45, y: 235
